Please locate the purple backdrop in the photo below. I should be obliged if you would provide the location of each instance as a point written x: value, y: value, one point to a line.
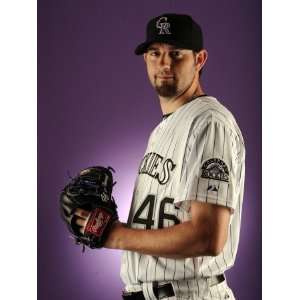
x: 95, y: 106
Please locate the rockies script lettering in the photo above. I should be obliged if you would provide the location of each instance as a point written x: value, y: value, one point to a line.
x: 157, y: 167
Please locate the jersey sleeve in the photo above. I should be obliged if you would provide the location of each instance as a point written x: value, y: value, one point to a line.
x: 213, y: 166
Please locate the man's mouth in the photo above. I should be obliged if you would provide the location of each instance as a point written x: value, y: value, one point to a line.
x: 165, y: 77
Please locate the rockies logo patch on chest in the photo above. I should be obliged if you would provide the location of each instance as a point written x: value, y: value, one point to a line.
x: 215, y: 168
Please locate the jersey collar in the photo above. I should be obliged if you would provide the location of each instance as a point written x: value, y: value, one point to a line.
x: 192, y: 99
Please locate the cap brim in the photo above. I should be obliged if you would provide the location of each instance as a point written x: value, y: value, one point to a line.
x: 142, y: 48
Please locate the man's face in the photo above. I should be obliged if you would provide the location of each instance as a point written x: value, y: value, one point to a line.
x: 171, y: 70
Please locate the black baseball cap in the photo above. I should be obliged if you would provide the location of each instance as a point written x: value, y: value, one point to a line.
x: 174, y: 29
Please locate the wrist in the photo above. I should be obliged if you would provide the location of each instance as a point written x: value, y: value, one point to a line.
x: 114, y: 239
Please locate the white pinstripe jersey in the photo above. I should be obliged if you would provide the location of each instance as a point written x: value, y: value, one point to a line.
x: 196, y: 153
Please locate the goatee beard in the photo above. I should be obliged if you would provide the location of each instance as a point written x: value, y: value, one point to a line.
x: 166, y: 90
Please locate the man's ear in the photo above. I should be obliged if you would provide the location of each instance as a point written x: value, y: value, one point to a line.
x: 145, y: 56
x: 201, y: 58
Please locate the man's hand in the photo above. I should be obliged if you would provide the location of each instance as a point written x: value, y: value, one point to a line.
x: 111, y: 241
x: 87, y: 206
x: 83, y: 216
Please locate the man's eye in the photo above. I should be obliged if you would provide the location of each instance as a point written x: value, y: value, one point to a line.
x: 154, y: 53
x: 176, y: 54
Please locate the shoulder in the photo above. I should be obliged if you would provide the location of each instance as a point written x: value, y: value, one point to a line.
x: 209, y: 107
x: 209, y: 110
x: 212, y: 120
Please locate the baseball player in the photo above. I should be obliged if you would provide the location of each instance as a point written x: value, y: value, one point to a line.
x: 183, y: 227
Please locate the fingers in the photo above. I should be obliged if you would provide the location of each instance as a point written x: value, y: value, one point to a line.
x: 81, y: 223
x: 82, y: 219
x: 81, y: 213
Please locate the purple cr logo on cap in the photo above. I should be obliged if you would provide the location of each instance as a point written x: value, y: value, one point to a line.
x: 163, y: 25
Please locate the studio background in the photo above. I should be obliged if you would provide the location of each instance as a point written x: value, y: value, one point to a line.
x: 96, y: 107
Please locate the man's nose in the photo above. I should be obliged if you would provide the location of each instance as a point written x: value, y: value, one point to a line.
x: 165, y: 61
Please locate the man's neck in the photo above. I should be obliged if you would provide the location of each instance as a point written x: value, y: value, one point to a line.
x: 169, y: 105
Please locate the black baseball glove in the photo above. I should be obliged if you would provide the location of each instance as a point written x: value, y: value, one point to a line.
x: 91, y: 191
